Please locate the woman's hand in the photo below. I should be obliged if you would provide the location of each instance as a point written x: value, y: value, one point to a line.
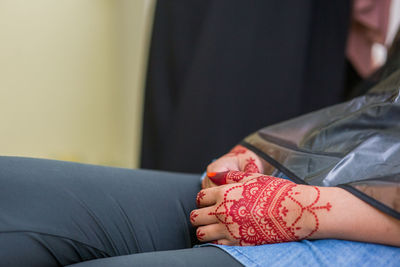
x: 261, y: 210
x: 254, y: 209
x: 238, y: 159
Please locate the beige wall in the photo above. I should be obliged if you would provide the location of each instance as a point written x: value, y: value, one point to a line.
x: 71, y: 78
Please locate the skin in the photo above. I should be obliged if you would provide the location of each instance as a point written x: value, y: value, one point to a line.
x: 318, y: 212
x: 237, y: 159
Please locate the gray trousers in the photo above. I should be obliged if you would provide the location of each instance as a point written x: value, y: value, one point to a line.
x: 55, y: 213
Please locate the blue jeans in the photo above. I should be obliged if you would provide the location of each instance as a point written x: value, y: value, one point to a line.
x: 326, y: 252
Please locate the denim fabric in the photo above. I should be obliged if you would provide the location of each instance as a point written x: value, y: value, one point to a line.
x: 326, y: 252
x: 280, y: 174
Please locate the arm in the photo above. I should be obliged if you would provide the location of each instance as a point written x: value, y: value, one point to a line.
x: 353, y: 219
x: 265, y: 209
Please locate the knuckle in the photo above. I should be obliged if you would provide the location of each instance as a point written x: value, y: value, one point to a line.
x: 221, y: 191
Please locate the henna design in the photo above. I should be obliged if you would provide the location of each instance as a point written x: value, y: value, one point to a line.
x: 262, y: 214
x: 251, y: 166
x: 220, y: 178
x: 237, y: 176
x: 250, y: 163
x: 311, y: 209
x: 236, y: 151
x: 200, y: 235
x: 199, y: 197
x: 193, y: 215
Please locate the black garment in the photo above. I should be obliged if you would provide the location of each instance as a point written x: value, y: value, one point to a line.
x: 57, y: 213
x: 221, y: 69
x: 204, y: 257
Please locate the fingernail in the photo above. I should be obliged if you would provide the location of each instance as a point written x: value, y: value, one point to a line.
x: 218, y: 178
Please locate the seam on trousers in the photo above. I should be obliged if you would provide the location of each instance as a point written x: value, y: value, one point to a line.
x: 58, y: 236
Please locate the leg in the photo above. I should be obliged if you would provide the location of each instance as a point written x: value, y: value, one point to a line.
x: 194, y: 257
x: 57, y: 213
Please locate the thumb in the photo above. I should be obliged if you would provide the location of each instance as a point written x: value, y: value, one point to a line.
x: 230, y: 177
x: 223, y: 164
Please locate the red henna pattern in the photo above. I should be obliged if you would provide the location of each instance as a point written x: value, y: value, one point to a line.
x: 284, y: 211
x: 236, y: 176
x: 259, y: 217
x: 200, y: 235
x: 311, y: 209
x: 193, y: 215
x: 251, y: 166
x: 199, y: 197
x: 236, y: 151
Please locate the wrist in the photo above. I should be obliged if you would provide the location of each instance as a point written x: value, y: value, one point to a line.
x: 311, y: 207
x: 350, y: 218
x: 326, y: 225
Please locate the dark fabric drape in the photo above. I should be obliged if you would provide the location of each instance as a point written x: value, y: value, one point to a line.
x: 219, y: 70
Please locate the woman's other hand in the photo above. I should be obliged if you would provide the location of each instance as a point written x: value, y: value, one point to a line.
x: 238, y: 159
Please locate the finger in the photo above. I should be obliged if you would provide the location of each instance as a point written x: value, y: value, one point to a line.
x: 210, y: 232
x: 206, y: 183
x: 206, y: 197
x: 224, y: 164
x: 231, y: 177
x: 202, y: 216
x: 251, y: 163
x: 237, y: 150
x: 218, y: 178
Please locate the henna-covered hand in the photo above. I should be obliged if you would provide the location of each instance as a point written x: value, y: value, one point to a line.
x: 238, y: 159
x: 261, y: 210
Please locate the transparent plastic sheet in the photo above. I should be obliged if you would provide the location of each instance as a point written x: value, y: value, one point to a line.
x: 355, y: 145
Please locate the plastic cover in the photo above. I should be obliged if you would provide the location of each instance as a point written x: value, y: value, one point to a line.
x: 354, y: 145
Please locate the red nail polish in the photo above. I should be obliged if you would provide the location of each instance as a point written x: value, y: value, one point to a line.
x: 218, y: 178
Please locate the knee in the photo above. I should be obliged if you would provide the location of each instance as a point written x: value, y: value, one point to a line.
x: 22, y: 248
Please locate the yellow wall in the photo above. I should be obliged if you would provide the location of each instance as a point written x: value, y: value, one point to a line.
x: 71, y: 78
